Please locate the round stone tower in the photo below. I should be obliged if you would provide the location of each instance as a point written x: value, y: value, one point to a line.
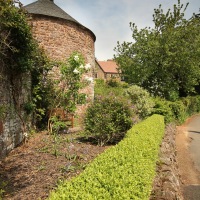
x: 60, y: 35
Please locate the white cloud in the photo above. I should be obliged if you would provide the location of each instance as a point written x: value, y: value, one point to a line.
x: 109, y: 19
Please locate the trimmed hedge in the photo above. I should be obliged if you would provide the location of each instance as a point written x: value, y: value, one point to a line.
x: 124, y: 171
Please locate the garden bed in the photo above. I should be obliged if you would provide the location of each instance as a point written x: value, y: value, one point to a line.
x: 32, y: 170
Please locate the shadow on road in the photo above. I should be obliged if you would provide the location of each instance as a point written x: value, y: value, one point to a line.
x: 194, y: 131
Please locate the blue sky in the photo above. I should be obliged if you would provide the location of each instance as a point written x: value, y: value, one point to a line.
x: 109, y: 19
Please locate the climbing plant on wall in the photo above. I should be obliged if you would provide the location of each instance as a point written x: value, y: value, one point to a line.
x: 21, y: 58
x: 16, y: 42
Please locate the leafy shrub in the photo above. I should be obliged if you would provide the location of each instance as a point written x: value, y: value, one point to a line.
x: 172, y: 111
x: 107, y: 119
x: 162, y: 108
x: 124, y: 171
x: 113, y: 82
x: 177, y: 111
x: 102, y: 88
x: 141, y: 100
x: 192, y: 104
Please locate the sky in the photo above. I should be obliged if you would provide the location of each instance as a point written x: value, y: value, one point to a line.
x: 109, y: 19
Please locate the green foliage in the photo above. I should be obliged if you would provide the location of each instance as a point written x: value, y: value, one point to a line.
x: 192, y: 104
x: 57, y: 124
x: 20, y: 57
x: 29, y: 107
x: 42, y: 87
x: 141, y: 100
x: 124, y: 171
x: 113, y: 83
x: 107, y: 119
x: 164, y: 59
x: 103, y: 88
x: 179, y: 110
x: 3, y: 185
x: 162, y: 107
x: 67, y: 94
x: 72, y: 81
x: 3, y: 110
x: 16, y: 42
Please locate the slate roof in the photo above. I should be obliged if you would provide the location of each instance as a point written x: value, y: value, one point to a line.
x: 49, y: 8
x: 109, y: 66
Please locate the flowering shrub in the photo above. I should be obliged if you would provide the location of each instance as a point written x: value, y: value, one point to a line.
x: 71, y: 80
x: 107, y: 119
x: 67, y: 88
x: 141, y: 100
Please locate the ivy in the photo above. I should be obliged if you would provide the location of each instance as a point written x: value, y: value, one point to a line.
x: 22, y: 60
x: 16, y: 42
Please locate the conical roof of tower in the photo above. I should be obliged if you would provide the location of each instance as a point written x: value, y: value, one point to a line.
x: 49, y: 8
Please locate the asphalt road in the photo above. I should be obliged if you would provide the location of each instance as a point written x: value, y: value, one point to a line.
x: 193, y: 129
x: 192, y: 192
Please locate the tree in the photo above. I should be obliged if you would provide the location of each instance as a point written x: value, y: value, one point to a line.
x: 164, y: 59
x: 23, y: 62
x: 16, y: 42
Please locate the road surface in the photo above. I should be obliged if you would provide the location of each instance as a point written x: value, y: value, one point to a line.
x: 193, y: 129
x: 191, y: 190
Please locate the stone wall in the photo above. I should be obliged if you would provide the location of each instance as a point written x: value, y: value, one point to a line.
x: 60, y: 38
x: 12, y: 115
x: 167, y: 183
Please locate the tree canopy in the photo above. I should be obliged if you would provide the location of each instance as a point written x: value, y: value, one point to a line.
x: 164, y: 59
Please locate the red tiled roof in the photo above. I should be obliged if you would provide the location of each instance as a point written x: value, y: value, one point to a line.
x: 109, y: 66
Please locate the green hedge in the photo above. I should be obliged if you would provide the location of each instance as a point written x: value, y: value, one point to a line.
x: 124, y: 171
x: 177, y: 111
x: 192, y: 104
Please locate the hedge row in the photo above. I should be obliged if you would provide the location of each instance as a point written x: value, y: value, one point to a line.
x: 179, y: 110
x: 124, y: 171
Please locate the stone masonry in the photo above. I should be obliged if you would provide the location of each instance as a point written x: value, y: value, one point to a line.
x: 59, y: 35
x: 167, y: 183
x: 12, y: 115
x: 60, y: 38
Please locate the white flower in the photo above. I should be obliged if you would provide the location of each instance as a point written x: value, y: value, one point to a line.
x: 87, y: 66
x: 81, y: 67
x: 90, y: 79
x: 76, y: 71
x: 25, y: 134
x: 76, y: 58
